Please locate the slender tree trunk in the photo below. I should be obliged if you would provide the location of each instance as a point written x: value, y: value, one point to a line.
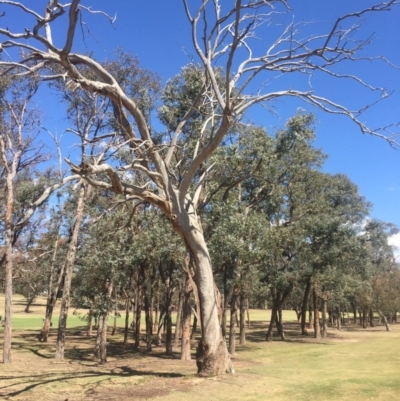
x: 156, y: 305
x: 371, y: 318
x: 149, y: 321
x: 178, y: 325
x: 324, y: 315
x: 100, y: 351
x: 186, y: 319
x: 242, y: 306
x: 69, y: 264
x: 317, y: 329
x: 29, y: 303
x: 227, y: 300
x: 339, y: 320
x: 364, y: 318
x: 90, y: 324
x: 127, y: 311
x: 232, y: 325
x: 384, y: 320
x: 52, y: 293
x: 279, y: 323
x: 310, y: 317
x: 138, y: 314
x: 354, y: 307
x: 114, y: 329
x: 304, y: 307
x: 248, y: 312
x: 8, y: 235
x: 194, y: 328
x: 168, y: 324
x: 272, y: 322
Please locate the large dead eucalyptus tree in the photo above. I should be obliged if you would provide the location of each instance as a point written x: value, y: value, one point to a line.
x: 222, y: 32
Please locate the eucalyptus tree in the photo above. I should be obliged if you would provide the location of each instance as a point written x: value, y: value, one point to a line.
x: 382, y: 267
x: 326, y: 233
x: 221, y: 34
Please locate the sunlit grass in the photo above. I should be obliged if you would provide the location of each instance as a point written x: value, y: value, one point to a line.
x: 352, y: 364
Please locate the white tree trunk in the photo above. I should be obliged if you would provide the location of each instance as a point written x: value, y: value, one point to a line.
x: 212, y: 355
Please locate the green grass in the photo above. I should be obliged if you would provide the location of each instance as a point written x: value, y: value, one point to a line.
x: 352, y: 364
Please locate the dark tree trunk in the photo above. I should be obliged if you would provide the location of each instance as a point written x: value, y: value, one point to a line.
x: 149, y: 321
x: 100, y: 350
x: 227, y: 300
x: 127, y: 311
x: 324, y: 315
x: 90, y: 324
x: 168, y: 337
x: 371, y: 318
x: 364, y: 318
x: 178, y: 325
x: 29, y: 303
x: 317, y: 329
x: 194, y: 329
x: 242, y: 306
x: 248, y: 312
x: 186, y: 319
x: 279, y: 324
x: 138, y: 315
x: 304, y: 307
x: 354, y: 307
x: 53, y: 290
x: 232, y: 325
x: 270, y: 332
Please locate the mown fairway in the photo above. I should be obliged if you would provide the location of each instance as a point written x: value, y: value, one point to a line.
x: 352, y: 364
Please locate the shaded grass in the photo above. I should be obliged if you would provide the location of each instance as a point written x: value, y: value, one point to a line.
x: 351, y: 364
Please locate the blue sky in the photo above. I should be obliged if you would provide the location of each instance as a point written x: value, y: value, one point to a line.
x: 158, y: 33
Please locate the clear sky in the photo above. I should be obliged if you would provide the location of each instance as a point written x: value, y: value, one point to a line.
x: 159, y: 34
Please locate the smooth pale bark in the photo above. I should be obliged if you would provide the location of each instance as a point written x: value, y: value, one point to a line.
x: 212, y: 356
x: 385, y: 322
x: 69, y: 264
x: 339, y: 319
x: 8, y: 236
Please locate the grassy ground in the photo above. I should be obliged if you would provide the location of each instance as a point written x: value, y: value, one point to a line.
x: 352, y: 364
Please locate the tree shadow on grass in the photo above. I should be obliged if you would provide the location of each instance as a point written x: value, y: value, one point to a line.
x: 43, y: 379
